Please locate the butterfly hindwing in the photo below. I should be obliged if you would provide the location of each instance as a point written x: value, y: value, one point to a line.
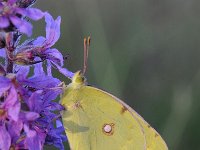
x: 94, y: 120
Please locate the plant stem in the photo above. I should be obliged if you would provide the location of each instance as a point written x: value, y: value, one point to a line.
x: 9, y: 68
x: 9, y: 52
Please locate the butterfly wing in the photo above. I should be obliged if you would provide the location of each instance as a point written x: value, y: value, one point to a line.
x: 153, y: 140
x: 94, y: 120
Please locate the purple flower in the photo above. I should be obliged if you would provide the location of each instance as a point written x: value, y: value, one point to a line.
x: 54, y: 138
x: 28, y: 90
x: 29, y: 125
x: 41, y: 102
x: 10, y: 106
x: 12, y: 14
x: 4, y: 144
x: 34, y: 140
x: 41, y: 47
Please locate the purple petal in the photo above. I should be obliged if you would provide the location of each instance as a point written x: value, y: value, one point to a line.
x: 41, y: 82
x: 38, y: 69
x: 39, y: 41
x: 52, y: 30
x: 49, y: 72
x: 13, y: 112
x: 21, y: 11
x: 55, y: 137
x: 34, y: 13
x: 64, y: 71
x: 22, y: 25
x: 5, y: 140
x: 29, y: 116
x: 12, y: 105
x: 11, y: 99
x: 58, y: 123
x: 49, y: 21
x: 11, y: 1
x: 52, y: 94
x: 4, y: 22
x: 5, y: 84
x: 32, y: 140
x: 53, y: 106
x: 14, y: 128
x: 2, y: 53
x: 22, y: 72
x: 35, y: 102
x: 55, y: 56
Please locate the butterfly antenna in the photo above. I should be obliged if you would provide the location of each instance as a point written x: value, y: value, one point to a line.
x: 86, y: 44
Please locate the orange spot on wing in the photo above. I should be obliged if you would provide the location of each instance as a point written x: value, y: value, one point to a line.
x: 156, y: 135
x: 123, y: 110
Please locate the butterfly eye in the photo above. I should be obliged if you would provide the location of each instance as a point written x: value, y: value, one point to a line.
x: 82, y: 79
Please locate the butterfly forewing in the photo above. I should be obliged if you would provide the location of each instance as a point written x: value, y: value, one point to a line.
x: 153, y: 140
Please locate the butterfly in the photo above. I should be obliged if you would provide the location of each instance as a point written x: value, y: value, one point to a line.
x: 96, y: 120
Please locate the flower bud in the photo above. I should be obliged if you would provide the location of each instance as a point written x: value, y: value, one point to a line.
x: 24, y: 58
x: 26, y: 3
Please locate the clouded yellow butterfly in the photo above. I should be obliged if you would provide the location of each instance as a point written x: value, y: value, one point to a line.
x: 96, y: 120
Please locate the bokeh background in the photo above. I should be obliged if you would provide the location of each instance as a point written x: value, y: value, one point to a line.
x: 146, y: 52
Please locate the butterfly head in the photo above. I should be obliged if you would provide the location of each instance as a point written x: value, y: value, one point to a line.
x: 78, y: 79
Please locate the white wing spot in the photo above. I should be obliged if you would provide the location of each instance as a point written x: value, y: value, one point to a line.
x: 107, y: 128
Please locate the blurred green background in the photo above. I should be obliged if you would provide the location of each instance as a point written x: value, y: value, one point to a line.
x: 146, y: 52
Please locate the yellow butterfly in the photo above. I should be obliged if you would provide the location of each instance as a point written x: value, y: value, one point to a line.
x: 96, y: 120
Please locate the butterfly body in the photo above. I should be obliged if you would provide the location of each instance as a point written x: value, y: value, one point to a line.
x: 96, y: 120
